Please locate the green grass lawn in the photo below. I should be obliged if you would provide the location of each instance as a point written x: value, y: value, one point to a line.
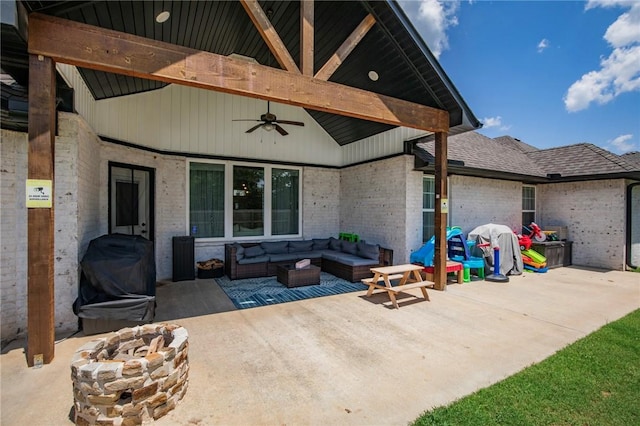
x: 594, y: 381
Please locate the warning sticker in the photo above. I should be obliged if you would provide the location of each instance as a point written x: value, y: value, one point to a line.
x: 39, y: 193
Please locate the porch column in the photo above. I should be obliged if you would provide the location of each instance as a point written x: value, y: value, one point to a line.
x: 40, y: 289
x: 442, y: 209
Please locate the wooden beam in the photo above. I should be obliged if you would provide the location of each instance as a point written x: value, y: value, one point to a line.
x: 346, y: 48
x: 40, y: 288
x: 306, y: 37
x: 442, y: 203
x: 269, y: 35
x: 111, y: 51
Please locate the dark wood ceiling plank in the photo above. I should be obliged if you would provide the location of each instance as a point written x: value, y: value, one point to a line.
x: 346, y: 48
x: 306, y: 37
x: 269, y: 34
x: 106, y: 50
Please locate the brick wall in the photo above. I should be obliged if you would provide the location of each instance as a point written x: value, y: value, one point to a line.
x: 477, y: 201
x: 594, y: 214
x: 13, y: 234
x: 378, y: 201
x: 320, y: 202
x: 635, y: 225
x: 170, y: 197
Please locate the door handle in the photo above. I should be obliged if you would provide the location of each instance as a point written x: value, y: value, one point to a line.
x: 143, y: 232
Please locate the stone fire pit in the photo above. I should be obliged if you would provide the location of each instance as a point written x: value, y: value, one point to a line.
x: 134, y: 376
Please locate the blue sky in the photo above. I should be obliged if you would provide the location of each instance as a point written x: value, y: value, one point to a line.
x: 549, y: 73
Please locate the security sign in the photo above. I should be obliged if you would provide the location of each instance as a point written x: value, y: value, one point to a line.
x: 39, y: 193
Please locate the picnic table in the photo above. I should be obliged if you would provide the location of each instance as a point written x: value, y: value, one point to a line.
x: 408, y: 274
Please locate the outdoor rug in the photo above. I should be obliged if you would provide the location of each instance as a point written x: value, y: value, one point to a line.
x: 253, y: 292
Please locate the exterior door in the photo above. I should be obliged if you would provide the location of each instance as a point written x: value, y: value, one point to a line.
x: 131, y: 191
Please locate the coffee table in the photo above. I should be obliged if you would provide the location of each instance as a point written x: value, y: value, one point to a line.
x: 292, y: 277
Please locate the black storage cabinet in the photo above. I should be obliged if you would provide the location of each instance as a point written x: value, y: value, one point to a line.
x: 184, y: 265
x: 558, y: 253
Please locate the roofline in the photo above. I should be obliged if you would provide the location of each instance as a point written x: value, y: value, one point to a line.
x: 406, y: 23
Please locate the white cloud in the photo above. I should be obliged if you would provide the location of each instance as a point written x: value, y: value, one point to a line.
x: 489, y: 122
x: 620, y: 72
x: 433, y: 18
x: 621, y: 144
x: 544, y: 43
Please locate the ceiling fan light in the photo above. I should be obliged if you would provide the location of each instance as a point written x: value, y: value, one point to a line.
x: 268, y: 127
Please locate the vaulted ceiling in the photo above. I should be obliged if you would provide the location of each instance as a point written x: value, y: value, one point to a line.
x: 391, y: 48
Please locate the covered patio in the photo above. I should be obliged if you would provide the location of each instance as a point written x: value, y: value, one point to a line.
x: 347, y: 359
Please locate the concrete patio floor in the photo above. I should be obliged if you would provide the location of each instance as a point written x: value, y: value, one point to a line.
x: 348, y: 359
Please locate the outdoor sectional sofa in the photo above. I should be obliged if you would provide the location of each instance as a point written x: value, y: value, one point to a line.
x: 344, y: 259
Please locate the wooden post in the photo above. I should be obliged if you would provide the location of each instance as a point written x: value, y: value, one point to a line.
x: 442, y: 209
x: 306, y: 37
x: 40, y: 306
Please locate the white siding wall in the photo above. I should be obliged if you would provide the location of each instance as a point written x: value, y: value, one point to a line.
x: 479, y: 201
x: 84, y: 103
x: 185, y: 119
x: 378, y: 146
x: 13, y: 234
x: 594, y: 214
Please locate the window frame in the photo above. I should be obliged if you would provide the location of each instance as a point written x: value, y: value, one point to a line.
x: 228, y: 200
x: 534, y: 211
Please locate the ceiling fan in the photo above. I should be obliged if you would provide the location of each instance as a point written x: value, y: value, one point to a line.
x: 270, y: 121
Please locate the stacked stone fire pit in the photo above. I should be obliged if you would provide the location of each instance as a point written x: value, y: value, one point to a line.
x: 134, y: 376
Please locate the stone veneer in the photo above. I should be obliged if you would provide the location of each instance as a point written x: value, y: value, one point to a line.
x: 122, y: 379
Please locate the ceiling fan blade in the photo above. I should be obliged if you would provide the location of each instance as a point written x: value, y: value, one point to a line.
x: 280, y: 130
x: 245, y: 119
x: 293, y: 123
x: 254, y: 127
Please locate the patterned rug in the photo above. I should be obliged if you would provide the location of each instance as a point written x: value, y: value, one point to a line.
x: 253, y: 292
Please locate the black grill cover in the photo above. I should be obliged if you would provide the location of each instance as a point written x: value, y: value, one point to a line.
x: 118, y: 279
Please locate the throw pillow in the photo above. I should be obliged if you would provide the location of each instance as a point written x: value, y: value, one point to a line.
x: 349, y: 247
x: 239, y: 251
x: 368, y: 251
x: 253, y: 251
x: 300, y: 246
x: 335, y: 244
x: 275, y: 247
x: 321, y: 243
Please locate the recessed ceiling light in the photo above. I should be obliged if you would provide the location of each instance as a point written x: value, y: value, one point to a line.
x: 162, y: 17
x: 373, y: 76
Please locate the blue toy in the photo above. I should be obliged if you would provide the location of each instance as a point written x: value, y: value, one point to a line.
x: 457, y: 248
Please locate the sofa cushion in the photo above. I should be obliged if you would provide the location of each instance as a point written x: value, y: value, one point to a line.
x: 335, y: 244
x: 353, y: 260
x: 298, y: 246
x: 239, y: 251
x: 275, y: 247
x: 251, y: 260
x: 253, y: 251
x: 281, y: 257
x: 368, y: 251
x: 333, y: 255
x: 321, y: 243
x: 349, y: 247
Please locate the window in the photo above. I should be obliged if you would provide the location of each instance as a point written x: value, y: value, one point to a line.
x: 231, y: 200
x: 428, y: 207
x: 206, y: 200
x: 528, y: 204
x: 248, y: 201
x: 285, y: 209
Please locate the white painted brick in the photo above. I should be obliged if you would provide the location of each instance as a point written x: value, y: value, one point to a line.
x: 594, y: 214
